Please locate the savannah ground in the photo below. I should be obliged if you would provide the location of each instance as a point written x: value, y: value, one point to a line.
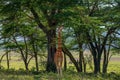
x: 17, y: 71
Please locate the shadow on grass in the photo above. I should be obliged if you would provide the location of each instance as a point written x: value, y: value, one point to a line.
x: 21, y: 74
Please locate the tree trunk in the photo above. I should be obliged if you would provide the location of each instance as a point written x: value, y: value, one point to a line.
x: 104, y: 70
x: 26, y: 65
x: 65, y: 62
x: 84, y: 64
x: 7, y: 57
x: 99, y: 61
x: 51, y: 36
x: 96, y: 59
x: 99, y: 67
x: 80, y: 56
x: 34, y: 46
x: 67, y: 52
x: 106, y: 60
x: 95, y: 66
x: 1, y: 59
x: 36, y: 62
x: 84, y: 67
x: 80, y: 60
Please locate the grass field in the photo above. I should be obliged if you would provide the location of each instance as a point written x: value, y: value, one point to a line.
x: 17, y: 72
x: 68, y: 75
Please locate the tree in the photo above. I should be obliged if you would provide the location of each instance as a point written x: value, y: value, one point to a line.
x: 98, y: 42
x: 51, y: 11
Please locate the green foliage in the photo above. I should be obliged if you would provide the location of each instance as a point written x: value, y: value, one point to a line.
x: 19, y: 26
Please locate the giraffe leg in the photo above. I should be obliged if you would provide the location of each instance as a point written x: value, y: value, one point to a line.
x: 60, y: 72
x: 57, y: 70
x: 61, y: 68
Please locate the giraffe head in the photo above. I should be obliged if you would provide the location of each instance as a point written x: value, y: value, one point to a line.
x: 60, y: 28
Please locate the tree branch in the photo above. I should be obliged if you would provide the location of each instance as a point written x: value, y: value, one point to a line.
x: 21, y: 51
x: 93, y: 8
x: 30, y: 59
x: 68, y: 53
x: 37, y: 19
x: 110, y: 31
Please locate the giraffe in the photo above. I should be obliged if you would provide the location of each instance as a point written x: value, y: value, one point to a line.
x: 58, y: 57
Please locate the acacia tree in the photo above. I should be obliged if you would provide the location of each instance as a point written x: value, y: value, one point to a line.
x: 54, y: 13
x: 97, y: 38
x: 112, y: 20
x: 99, y: 29
x: 37, y: 44
x: 46, y: 15
x: 24, y: 40
x: 18, y: 30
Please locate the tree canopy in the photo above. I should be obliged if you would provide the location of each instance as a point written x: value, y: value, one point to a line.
x: 30, y: 26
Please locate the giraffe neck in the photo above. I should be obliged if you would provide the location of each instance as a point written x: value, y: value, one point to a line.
x: 59, y: 40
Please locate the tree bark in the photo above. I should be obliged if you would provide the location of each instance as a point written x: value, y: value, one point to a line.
x: 65, y: 62
x: 106, y: 59
x: 7, y: 57
x: 104, y: 70
x: 1, y: 59
x: 36, y: 62
x: 26, y: 65
x: 34, y: 46
x: 51, y: 36
x: 81, y: 60
x: 84, y: 64
x: 95, y: 65
x: 67, y: 52
x: 99, y: 65
x: 80, y: 57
